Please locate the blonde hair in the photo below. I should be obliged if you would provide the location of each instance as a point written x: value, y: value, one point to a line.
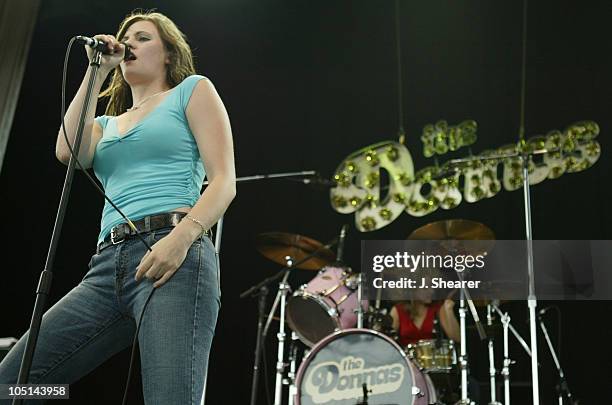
x: 179, y: 53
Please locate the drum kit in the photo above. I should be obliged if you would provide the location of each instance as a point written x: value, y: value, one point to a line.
x: 343, y: 348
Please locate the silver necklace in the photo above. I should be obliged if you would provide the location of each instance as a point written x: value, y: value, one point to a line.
x: 144, y: 100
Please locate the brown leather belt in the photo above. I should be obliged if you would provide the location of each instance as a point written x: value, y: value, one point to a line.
x: 123, y: 231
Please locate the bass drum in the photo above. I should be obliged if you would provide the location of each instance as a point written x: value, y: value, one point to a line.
x: 351, y: 365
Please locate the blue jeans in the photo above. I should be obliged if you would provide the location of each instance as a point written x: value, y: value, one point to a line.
x: 98, y: 318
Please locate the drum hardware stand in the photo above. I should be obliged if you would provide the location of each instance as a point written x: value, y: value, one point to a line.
x: 463, y: 362
x: 378, y: 297
x: 281, y: 295
x: 290, y: 380
x: 505, y: 319
x: 283, y: 290
x: 463, y: 359
x: 562, y: 388
x: 492, y: 370
x: 359, y: 309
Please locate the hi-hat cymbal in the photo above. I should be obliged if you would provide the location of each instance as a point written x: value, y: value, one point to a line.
x: 281, y: 246
x: 457, y: 230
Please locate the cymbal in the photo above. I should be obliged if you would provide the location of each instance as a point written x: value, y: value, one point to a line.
x: 455, y: 230
x: 278, y: 246
x: 460, y: 229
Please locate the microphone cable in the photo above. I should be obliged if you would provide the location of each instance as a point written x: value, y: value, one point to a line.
x: 101, y: 191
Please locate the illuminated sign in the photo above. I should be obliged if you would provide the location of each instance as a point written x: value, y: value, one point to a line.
x: 358, y: 177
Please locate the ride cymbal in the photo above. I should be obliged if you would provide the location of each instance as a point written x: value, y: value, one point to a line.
x: 460, y: 229
x: 457, y: 230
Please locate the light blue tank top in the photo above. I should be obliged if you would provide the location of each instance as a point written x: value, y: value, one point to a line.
x: 155, y: 166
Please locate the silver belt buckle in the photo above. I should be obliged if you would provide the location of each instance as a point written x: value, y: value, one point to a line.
x: 113, y: 235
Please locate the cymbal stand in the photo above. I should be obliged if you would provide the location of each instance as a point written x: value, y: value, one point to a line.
x: 283, y: 290
x: 463, y: 362
x: 463, y: 358
x: 505, y: 319
x: 492, y: 370
x: 562, y: 389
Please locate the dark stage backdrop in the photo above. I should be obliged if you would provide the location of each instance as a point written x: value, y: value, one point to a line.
x: 306, y: 83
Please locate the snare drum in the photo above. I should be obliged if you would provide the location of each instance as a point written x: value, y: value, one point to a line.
x: 348, y: 365
x: 326, y: 304
x: 433, y: 356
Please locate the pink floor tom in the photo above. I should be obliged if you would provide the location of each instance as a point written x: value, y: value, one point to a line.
x: 326, y: 304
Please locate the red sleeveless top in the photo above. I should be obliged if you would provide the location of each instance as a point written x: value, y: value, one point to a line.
x: 408, y: 331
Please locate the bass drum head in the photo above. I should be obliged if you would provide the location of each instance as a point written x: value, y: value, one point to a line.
x: 310, y: 318
x: 336, y: 369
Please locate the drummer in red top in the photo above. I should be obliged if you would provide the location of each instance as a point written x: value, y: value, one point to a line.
x: 414, y: 320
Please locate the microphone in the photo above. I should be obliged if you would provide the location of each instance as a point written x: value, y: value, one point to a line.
x: 102, y: 46
x: 341, y: 238
x: 317, y: 180
x: 93, y: 43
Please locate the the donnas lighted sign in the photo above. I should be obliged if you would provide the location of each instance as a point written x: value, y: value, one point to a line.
x: 379, y: 182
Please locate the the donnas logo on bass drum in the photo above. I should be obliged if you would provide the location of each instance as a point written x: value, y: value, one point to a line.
x: 334, y: 381
x: 359, y: 366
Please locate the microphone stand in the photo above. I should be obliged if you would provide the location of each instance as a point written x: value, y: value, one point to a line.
x: 532, y: 302
x: 44, y: 283
x: 562, y: 388
x: 261, y: 295
x: 262, y: 333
